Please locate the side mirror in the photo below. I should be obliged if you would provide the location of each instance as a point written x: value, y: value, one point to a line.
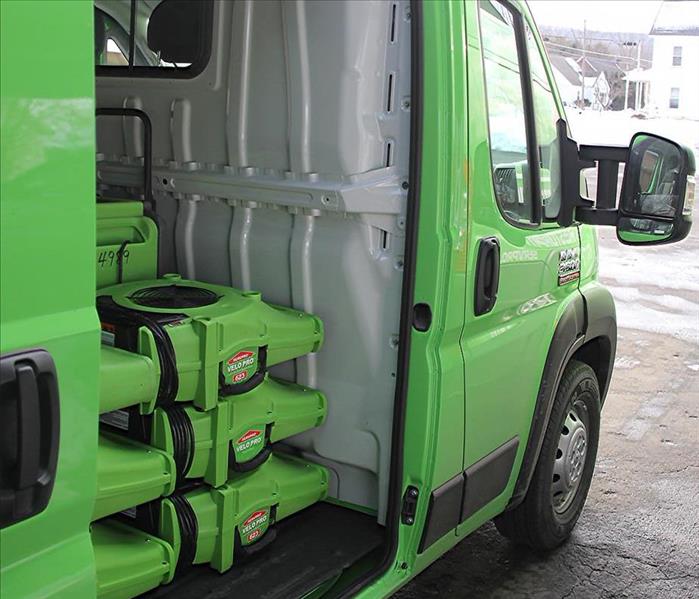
x: 657, y: 194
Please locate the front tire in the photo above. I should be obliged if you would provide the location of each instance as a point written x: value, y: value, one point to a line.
x: 563, y: 472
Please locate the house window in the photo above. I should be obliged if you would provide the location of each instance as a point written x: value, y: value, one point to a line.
x: 677, y: 56
x: 674, y: 97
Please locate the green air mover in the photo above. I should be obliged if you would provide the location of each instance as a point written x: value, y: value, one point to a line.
x: 208, y: 339
x: 236, y: 434
x: 128, y: 561
x: 127, y: 243
x: 218, y: 525
x: 128, y: 379
x: 130, y: 473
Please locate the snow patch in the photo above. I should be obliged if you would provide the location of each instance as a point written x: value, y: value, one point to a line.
x: 625, y: 362
x: 642, y: 318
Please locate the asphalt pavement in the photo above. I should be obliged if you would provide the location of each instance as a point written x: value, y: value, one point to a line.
x: 638, y: 535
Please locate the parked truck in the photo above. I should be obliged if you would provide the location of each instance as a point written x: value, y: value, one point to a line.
x: 295, y: 295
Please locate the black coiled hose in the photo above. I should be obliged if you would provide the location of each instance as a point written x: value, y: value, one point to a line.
x: 182, y: 439
x: 189, y: 529
x: 109, y: 311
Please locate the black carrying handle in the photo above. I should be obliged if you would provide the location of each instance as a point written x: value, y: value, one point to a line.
x: 247, y: 551
x: 147, y: 143
x: 487, y: 275
x: 30, y: 431
x: 252, y: 382
x: 244, y: 552
x: 257, y: 461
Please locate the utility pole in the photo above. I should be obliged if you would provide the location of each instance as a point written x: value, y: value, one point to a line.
x: 639, y: 84
x: 582, y: 66
x: 628, y: 81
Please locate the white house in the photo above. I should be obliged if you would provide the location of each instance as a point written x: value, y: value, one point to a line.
x: 568, y: 74
x: 674, y: 76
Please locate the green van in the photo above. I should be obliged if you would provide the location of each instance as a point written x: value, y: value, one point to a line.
x: 297, y: 294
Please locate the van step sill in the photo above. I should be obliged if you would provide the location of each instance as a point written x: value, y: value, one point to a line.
x: 311, y: 547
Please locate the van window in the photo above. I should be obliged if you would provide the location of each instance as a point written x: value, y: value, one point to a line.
x: 111, y: 40
x: 545, y: 117
x: 506, y: 112
x: 152, y: 38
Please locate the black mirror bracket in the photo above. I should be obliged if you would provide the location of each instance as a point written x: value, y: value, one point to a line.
x: 653, y: 210
x: 571, y: 165
x: 597, y: 216
x: 601, y: 211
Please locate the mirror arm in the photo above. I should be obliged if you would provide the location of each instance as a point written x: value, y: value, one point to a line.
x: 573, y: 160
x: 571, y: 165
x: 608, y: 159
x: 597, y: 216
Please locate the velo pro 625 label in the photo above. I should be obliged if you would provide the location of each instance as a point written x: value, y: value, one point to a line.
x: 239, y: 367
x: 249, y: 444
x: 254, y: 526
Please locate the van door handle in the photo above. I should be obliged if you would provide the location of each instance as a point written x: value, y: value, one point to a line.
x: 29, y: 433
x: 487, y: 275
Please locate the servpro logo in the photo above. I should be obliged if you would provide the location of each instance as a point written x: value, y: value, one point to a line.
x: 255, y: 520
x: 254, y: 516
x: 239, y: 361
x: 251, y: 434
x: 250, y: 439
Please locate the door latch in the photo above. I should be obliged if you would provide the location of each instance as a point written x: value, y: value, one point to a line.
x: 29, y: 429
x: 407, y: 513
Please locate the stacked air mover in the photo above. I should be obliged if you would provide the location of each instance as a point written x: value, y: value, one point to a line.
x: 187, y: 472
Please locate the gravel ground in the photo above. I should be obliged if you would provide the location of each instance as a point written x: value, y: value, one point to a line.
x: 638, y: 536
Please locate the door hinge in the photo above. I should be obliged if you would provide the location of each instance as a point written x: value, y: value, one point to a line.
x: 407, y: 512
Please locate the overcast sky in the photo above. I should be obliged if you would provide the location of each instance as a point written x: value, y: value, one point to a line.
x: 610, y: 15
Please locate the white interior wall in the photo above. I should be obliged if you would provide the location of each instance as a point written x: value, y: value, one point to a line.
x: 282, y: 168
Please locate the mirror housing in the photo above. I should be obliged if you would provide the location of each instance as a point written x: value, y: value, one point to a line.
x: 658, y: 187
x: 657, y: 193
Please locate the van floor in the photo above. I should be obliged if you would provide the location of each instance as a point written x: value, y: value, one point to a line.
x: 311, y: 547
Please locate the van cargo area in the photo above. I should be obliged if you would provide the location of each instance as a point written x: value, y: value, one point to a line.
x: 251, y: 217
x: 298, y: 294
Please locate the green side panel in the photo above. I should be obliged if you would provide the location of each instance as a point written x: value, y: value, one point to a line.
x: 129, y: 474
x: 128, y: 561
x: 211, y: 338
x: 519, y: 329
x: 47, y: 272
x: 127, y: 379
x: 248, y: 504
x: 120, y: 223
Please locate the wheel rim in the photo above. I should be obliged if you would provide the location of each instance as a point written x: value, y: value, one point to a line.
x: 570, y: 458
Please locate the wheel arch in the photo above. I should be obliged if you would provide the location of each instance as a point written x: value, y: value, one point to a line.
x: 598, y: 354
x: 586, y: 331
x: 599, y: 348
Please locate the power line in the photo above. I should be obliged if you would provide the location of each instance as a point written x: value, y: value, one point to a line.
x: 617, y: 56
x: 594, y: 52
x: 604, y: 60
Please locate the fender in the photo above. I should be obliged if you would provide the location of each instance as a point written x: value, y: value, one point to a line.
x: 568, y: 337
x: 601, y: 328
x: 587, y: 329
